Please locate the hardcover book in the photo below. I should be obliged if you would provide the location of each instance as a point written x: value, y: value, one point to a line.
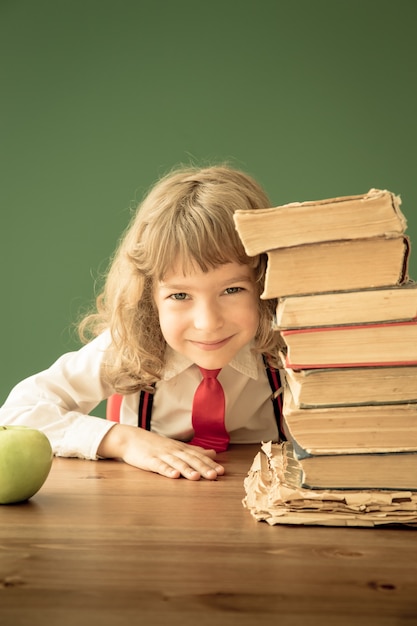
x: 337, y: 266
x: 385, y: 304
x: 391, y: 343
x: 393, y: 471
x: 372, y: 214
x: 269, y: 498
x: 351, y: 429
x: 350, y: 386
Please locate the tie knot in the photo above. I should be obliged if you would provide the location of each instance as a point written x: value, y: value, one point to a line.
x: 209, y: 373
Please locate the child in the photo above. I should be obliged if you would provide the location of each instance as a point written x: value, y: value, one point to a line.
x: 180, y: 294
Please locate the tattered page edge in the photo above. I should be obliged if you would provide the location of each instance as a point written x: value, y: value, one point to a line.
x: 269, y: 499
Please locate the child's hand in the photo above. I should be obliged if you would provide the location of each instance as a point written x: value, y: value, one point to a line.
x: 158, y: 454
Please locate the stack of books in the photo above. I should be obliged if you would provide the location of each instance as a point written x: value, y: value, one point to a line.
x: 347, y: 315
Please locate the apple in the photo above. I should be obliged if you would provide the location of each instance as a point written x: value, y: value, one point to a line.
x: 25, y: 461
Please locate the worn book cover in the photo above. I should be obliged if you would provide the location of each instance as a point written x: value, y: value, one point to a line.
x: 372, y: 214
x: 350, y: 386
x: 269, y: 498
x: 337, y: 266
x: 384, y: 304
x: 391, y: 343
x: 355, y: 429
x: 380, y: 470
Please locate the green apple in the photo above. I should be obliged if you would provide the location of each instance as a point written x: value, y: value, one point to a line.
x: 25, y: 461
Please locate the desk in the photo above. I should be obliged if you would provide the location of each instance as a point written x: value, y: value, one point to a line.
x: 104, y: 544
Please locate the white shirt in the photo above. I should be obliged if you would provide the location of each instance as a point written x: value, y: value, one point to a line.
x: 58, y: 400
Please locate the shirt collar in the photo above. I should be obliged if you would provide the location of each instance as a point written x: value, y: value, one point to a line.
x: 245, y: 361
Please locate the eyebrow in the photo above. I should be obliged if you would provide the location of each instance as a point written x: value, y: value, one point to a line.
x: 171, y: 287
x: 240, y: 278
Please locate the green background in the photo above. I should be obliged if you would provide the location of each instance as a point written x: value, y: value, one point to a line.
x: 315, y: 98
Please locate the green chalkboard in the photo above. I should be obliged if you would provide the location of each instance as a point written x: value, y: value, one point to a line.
x: 315, y: 98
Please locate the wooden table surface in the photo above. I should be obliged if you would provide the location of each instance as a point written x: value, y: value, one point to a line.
x: 103, y: 543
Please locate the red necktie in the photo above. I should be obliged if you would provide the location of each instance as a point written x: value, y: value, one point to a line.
x: 208, y: 413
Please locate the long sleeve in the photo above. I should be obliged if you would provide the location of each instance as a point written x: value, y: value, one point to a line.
x: 58, y: 400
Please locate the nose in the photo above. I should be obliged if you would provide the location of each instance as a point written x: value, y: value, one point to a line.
x: 208, y: 316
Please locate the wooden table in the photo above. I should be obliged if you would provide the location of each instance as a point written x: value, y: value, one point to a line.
x: 103, y: 543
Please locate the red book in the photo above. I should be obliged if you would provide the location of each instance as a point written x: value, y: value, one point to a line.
x: 356, y: 345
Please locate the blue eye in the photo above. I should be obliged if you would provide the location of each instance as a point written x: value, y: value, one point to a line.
x: 178, y: 296
x: 232, y: 290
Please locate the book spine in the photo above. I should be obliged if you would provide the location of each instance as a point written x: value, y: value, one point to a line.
x: 326, y: 329
x: 310, y: 366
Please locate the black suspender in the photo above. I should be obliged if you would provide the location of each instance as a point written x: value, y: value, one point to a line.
x: 145, y: 409
x: 276, y: 397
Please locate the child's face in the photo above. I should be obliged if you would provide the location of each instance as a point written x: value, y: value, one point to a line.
x: 208, y: 316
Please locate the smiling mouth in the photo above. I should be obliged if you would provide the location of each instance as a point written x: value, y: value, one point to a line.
x: 211, y: 345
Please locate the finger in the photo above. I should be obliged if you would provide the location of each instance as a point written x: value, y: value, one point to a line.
x: 210, y: 453
x: 164, y: 469
x: 186, y: 460
x: 207, y: 456
x: 173, y: 467
x: 210, y: 461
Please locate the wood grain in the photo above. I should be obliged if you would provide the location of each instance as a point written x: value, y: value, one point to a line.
x: 105, y: 543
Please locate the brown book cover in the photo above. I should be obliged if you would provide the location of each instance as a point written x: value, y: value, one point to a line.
x: 269, y: 498
x: 384, y: 304
x: 372, y: 214
x: 337, y: 266
x: 397, y: 470
x: 351, y: 429
x: 391, y: 343
x: 350, y: 386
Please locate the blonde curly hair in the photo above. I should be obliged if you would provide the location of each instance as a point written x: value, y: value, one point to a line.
x: 188, y: 215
